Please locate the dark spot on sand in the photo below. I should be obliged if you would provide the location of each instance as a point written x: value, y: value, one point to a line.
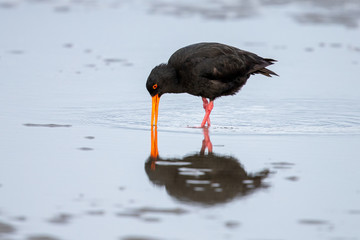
x: 68, y: 45
x: 232, y: 224
x: 62, y: 9
x: 175, y: 211
x: 124, y: 62
x: 6, y: 228
x: 20, y: 218
x: 336, y: 45
x: 140, y: 212
x: 62, y: 218
x: 130, y: 214
x: 40, y: 1
x: 16, y: 52
x: 292, y: 178
x: 151, y: 219
x: 79, y: 197
x: 313, y: 222
x: 255, y: 44
x: 96, y: 212
x: 354, y: 211
x: 7, y: 5
x: 46, y: 125
x: 138, y: 238
x: 41, y: 237
x: 114, y: 60
x: 282, y: 165
x: 342, y: 17
x: 85, y: 149
x: 218, y: 10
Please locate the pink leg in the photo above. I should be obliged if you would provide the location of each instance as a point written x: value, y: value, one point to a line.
x: 208, y: 107
x: 205, y: 103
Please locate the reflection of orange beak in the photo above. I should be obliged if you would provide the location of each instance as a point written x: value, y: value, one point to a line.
x: 155, y: 109
x: 154, y: 144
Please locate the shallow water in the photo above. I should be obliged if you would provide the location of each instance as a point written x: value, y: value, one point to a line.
x: 246, y: 116
x: 75, y: 137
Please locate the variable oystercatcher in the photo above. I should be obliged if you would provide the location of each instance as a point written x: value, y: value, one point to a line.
x: 208, y: 70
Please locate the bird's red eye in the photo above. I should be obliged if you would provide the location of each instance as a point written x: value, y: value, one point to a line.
x: 155, y: 86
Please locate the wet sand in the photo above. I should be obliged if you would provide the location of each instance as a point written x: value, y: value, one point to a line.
x: 75, y: 139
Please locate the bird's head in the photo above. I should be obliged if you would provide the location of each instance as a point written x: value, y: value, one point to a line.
x: 161, y: 80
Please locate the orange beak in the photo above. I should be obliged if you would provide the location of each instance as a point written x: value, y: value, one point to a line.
x: 155, y: 109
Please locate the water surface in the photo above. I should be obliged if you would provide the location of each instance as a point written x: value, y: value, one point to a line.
x: 75, y: 138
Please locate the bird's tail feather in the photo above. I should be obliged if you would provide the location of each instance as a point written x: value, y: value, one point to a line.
x: 269, y: 60
x: 264, y: 70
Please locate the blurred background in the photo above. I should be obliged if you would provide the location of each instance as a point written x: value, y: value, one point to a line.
x: 75, y: 122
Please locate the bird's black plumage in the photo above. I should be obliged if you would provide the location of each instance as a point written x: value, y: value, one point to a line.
x: 209, y: 70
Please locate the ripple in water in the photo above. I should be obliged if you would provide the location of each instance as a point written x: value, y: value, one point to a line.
x: 287, y: 116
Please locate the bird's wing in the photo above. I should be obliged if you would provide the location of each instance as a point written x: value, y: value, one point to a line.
x: 226, y: 67
x: 219, y: 62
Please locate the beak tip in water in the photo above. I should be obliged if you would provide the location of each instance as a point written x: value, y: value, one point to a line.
x: 155, y: 110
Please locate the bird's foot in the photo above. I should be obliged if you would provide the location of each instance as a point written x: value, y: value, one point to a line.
x: 195, y: 126
x: 205, y: 120
x: 203, y: 124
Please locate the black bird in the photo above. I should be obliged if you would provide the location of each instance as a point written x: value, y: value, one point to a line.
x: 208, y: 70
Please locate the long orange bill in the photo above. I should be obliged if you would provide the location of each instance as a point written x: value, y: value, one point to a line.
x: 155, y: 109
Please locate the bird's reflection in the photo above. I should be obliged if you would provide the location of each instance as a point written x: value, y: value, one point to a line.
x: 206, y: 179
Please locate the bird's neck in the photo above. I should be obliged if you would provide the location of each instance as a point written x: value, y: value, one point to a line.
x: 173, y: 82
x: 175, y: 87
